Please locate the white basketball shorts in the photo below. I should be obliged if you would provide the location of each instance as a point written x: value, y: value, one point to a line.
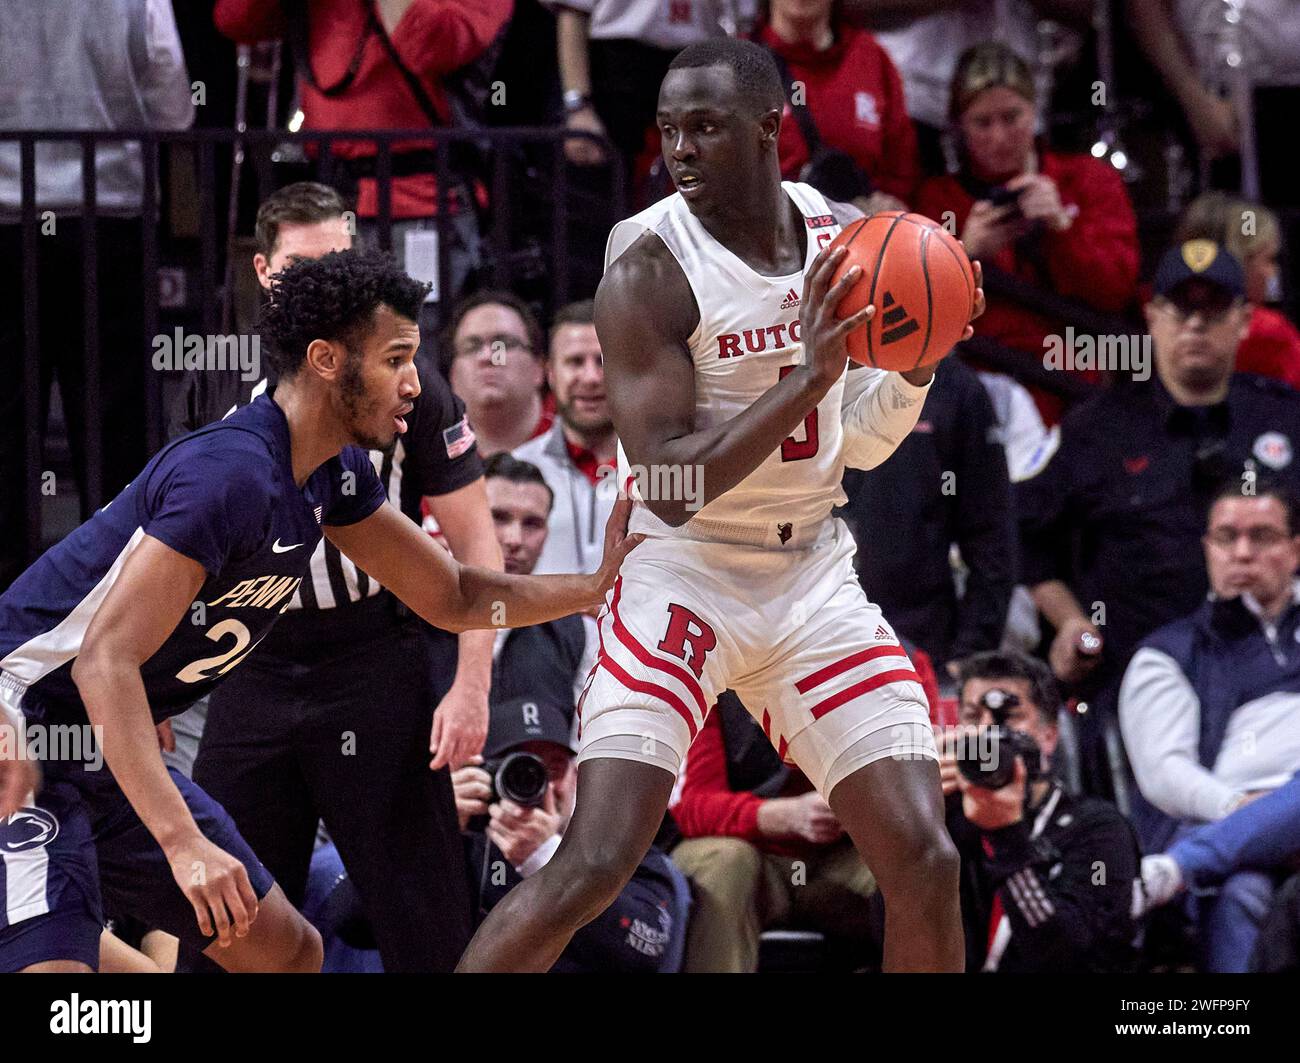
x: 790, y: 631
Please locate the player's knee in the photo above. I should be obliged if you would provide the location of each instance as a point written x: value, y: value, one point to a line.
x: 940, y: 870
x: 924, y: 865
x: 591, y: 880
x: 308, y: 953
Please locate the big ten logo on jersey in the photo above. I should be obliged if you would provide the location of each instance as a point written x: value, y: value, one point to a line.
x: 823, y: 221
x: 261, y: 592
x: 688, y: 631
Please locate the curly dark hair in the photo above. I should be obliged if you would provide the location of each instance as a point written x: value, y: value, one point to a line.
x: 333, y: 297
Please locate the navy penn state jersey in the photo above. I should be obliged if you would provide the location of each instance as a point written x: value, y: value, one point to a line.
x: 223, y: 496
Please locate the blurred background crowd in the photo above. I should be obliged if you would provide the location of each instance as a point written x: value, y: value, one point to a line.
x: 1089, y: 541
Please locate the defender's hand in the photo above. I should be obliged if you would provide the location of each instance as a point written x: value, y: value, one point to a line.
x: 618, y: 544
x: 217, y: 885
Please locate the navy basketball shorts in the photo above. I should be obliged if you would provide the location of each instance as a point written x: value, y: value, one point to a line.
x: 79, y: 848
x: 816, y: 664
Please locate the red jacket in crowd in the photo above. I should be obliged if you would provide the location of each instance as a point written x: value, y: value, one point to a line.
x: 1271, y: 347
x: 433, y: 38
x: 1094, y: 261
x: 855, y: 97
x: 706, y: 806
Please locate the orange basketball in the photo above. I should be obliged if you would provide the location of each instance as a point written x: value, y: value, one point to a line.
x: 920, y: 281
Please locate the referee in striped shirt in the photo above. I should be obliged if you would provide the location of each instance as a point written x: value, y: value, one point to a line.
x: 343, y: 715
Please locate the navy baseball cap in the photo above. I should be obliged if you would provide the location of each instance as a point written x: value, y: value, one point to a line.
x: 516, y: 721
x: 1202, y: 260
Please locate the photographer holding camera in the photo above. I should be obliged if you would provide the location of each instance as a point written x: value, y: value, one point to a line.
x: 1047, y: 877
x: 514, y: 804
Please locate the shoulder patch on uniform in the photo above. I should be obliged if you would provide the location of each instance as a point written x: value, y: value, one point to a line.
x: 821, y: 221
x: 458, y: 438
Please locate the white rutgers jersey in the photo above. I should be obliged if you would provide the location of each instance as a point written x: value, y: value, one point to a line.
x: 746, y: 340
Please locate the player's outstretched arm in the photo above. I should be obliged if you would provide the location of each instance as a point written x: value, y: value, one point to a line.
x: 645, y: 314
x: 455, y: 597
x: 150, y: 597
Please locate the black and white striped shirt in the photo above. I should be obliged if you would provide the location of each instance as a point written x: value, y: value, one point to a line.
x: 435, y: 456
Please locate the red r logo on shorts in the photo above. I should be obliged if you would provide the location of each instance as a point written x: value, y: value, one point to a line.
x: 684, y: 627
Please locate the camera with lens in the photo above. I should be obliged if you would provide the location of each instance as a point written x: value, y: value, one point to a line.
x: 989, y: 760
x: 1002, y: 196
x: 519, y: 777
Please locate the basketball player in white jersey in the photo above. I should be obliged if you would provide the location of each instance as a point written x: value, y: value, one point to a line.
x: 724, y: 360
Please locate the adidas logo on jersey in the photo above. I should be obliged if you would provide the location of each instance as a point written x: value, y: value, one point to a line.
x: 791, y: 300
x: 897, y: 323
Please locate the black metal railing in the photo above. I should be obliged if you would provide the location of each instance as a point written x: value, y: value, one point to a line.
x: 509, y: 156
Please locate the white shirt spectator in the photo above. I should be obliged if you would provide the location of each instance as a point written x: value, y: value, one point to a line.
x: 575, y: 538
x: 1159, y: 716
x: 927, y: 48
x: 74, y: 64
x: 669, y: 24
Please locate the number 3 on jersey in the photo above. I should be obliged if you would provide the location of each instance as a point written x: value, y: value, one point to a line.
x: 793, y: 449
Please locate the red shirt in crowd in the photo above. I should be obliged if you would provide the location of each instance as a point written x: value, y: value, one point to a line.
x: 587, y: 463
x: 1271, y: 347
x: 1094, y: 261
x: 708, y: 807
x: 433, y: 38
x: 855, y: 97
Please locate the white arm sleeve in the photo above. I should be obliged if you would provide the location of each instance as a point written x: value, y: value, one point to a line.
x: 1159, y: 717
x: 879, y: 408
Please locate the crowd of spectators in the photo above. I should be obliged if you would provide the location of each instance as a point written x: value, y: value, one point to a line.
x: 1096, y: 564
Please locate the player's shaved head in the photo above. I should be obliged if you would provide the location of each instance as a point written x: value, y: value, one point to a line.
x: 758, y: 82
x: 333, y: 297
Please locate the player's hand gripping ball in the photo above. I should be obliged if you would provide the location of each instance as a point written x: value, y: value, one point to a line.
x: 922, y: 285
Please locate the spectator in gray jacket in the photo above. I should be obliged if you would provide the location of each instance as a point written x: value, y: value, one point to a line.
x: 579, y: 455
x: 70, y: 65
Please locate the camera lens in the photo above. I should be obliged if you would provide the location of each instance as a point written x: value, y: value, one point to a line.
x: 522, y: 778
x: 992, y: 762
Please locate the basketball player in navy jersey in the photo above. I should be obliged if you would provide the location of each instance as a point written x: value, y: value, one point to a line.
x: 718, y: 367
x: 146, y: 606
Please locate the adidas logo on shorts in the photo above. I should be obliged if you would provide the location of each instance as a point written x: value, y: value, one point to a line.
x: 882, y: 632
